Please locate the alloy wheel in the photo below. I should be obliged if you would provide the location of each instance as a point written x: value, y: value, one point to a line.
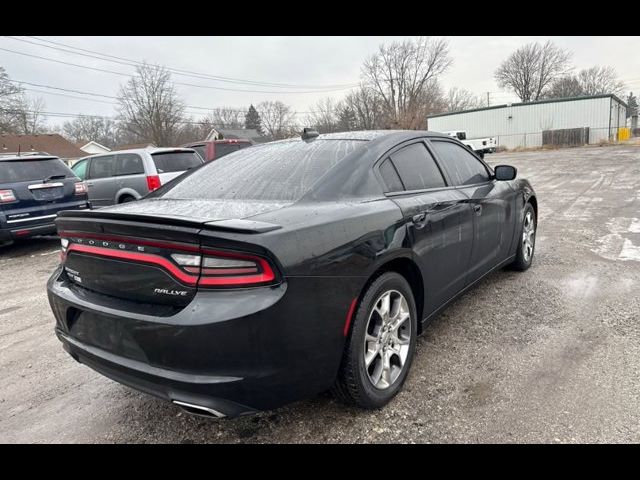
x: 387, y: 339
x: 528, y: 236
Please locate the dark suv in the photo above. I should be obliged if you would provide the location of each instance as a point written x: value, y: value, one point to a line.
x: 33, y: 189
x: 214, y: 149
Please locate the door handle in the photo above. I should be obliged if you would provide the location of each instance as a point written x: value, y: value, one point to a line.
x: 90, y: 184
x: 477, y: 208
x: 420, y: 220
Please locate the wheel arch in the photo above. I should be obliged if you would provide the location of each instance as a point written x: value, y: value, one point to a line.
x: 130, y: 192
x: 407, y: 267
x: 534, y: 203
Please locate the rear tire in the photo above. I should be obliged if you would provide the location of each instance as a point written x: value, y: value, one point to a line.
x: 527, y: 240
x: 380, y: 347
x: 127, y: 199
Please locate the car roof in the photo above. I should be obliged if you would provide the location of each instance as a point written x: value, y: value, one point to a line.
x: 9, y: 158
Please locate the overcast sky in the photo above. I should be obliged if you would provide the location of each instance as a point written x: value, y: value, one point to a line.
x: 305, y: 62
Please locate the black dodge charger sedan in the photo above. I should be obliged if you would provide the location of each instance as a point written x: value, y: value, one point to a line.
x: 286, y: 269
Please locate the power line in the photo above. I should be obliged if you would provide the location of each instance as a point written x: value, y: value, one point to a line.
x: 220, y: 78
x: 240, y: 110
x: 176, y: 83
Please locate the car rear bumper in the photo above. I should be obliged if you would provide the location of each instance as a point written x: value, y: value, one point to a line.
x: 233, y: 352
x: 41, y: 224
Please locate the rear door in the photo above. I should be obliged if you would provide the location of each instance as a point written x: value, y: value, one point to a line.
x: 438, y: 219
x: 129, y: 176
x: 171, y: 164
x: 101, y: 184
x: 492, y: 202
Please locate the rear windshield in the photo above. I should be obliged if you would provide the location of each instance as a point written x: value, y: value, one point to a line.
x: 27, y: 170
x: 175, y: 161
x: 281, y: 171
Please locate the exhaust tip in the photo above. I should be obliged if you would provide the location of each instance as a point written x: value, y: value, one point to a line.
x: 199, y: 410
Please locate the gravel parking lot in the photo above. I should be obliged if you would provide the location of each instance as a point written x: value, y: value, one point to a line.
x: 549, y: 355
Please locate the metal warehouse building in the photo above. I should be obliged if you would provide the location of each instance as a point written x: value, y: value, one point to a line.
x: 564, y: 121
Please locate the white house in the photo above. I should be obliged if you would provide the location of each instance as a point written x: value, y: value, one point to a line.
x: 93, y: 147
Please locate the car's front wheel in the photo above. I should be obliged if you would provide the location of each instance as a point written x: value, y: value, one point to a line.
x: 381, y: 344
x: 524, y: 255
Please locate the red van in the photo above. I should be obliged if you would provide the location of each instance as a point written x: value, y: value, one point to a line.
x: 214, y: 149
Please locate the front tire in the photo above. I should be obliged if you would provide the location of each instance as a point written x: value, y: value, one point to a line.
x: 381, y: 344
x: 527, y: 238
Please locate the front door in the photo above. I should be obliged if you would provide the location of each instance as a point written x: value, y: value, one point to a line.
x: 492, y: 203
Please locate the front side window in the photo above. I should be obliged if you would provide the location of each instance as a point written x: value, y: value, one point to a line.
x: 102, y: 167
x: 417, y: 168
x: 462, y: 166
x: 80, y: 169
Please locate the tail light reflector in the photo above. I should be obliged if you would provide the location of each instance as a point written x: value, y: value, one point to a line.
x: 7, y: 196
x: 81, y: 188
x: 153, y: 182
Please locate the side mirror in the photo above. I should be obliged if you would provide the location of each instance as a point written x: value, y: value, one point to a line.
x: 505, y: 172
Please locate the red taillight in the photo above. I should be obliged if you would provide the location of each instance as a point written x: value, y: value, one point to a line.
x: 7, y: 196
x: 188, y: 263
x: 220, y: 269
x: 153, y: 182
x: 81, y: 188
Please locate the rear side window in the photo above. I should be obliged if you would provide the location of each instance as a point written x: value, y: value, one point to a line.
x: 175, y: 161
x: 461, y: 165
x: 80, y: 169
x: 102, y: 167
x: 417, y: 168
x: 27, y: 170
x: 279, y: 171
x: 390, y: 177
x: 129, y: 164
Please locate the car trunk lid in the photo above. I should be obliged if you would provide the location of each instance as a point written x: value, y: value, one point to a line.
x: 157, y: 259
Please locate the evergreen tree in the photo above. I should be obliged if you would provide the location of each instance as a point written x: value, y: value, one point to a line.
x: 346, y: 119
x: 252, y: 120
x: 632, y: 101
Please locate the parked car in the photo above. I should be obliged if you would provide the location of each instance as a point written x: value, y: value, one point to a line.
x: 33, y: 189
x: 213, y: 149
x: 478, y: 145
x: 289, y: 268
x: 127, y: 175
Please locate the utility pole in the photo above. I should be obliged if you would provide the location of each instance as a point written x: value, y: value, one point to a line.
x: 488, y: 101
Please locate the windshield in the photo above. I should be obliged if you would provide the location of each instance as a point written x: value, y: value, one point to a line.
x: 282, y: 171
x: 27, y: 170
x: 175, y: 161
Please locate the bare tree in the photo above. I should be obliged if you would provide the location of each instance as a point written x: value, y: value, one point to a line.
x: 277, y: 119
x: 85, y: 129
x: 27, y: 117
x: 599, y: 80
x: 459, y: 99
x: 567, y: 86
x: 226, y: 117
x: 13, y: 104
x: 367, y: 108
x: 531, y: 69
x: 324, y: 116
x: 402, y: 74
x: 150, y: 109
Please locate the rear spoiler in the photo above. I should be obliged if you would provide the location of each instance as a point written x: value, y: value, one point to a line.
x: 231, y: 225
